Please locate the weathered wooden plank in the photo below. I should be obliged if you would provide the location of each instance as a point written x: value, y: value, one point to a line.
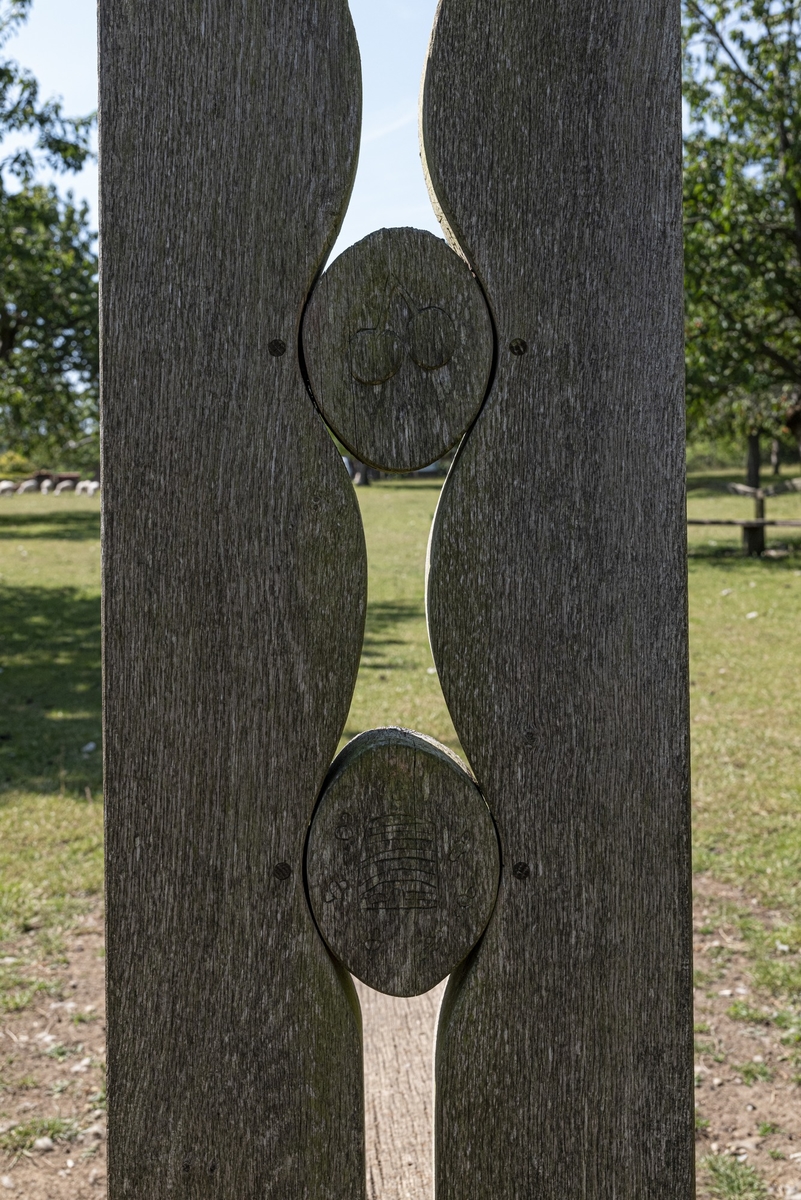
x: 234, y: 597
x: 402, y: 861
x: 557, y: 608
x: 398, y: 344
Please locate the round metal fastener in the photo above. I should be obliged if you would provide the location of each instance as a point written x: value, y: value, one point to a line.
x: 521, y: 870
x: 277, y: 348
x: 282, y: 871
x: 519, y: 347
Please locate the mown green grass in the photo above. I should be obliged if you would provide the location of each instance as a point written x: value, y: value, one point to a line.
x: 50, y: 644
x: 746, y: 717
x: 51, y: 857
x: 397, y: 682
x: 746, y: 699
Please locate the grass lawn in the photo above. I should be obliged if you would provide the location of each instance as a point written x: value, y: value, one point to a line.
x: 51, y: 849
x: 745, y: 641
x: 397, y: 682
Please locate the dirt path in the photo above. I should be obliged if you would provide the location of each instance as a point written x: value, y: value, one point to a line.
x: 52, y: 1056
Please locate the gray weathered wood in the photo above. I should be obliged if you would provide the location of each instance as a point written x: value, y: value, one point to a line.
x: 402, y: 861
x: 557, y: 603
x: 398, y: 345
x: 234, y: 598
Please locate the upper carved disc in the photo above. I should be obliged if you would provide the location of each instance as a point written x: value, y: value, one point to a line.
x: 398, y: 345
x: 402, y: 862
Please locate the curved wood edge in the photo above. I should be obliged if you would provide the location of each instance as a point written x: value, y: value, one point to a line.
x: 392, y: 735
x: 556, y: 603
x: 234, y: 597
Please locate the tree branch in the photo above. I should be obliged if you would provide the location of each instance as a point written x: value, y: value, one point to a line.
x: 695, y: 8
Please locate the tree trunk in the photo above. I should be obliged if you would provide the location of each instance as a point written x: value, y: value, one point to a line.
x: 754, y: 535
x: 361, y: 474
x: 753, y: 460
x: 793, y: 422
x: 775, y: 454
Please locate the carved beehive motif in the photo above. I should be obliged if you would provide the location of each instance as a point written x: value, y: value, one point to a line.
x: 399, y: 864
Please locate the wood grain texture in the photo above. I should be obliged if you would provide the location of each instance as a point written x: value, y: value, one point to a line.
x: 557, y: 601
x: 399, y: 1092
x: 398, y: 344
x: 234, y: 598
x: 402, y: 861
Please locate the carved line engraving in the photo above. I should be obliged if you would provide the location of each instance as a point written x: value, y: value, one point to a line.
x: 398, y: 868
x: 429, y: 336
x: 336, y: 890
x: 345, y: 831
x: 461, y: 846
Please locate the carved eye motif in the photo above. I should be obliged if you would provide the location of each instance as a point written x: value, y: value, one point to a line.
x: 375, y: 356
x: 432, y: 338
x: 398, y: 344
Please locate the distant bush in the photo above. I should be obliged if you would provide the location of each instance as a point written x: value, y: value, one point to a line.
x: 14, y: 465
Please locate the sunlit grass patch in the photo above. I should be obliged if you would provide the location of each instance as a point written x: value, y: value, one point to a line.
x: 729, y: 1178
x: 22, y: 1137
x: 51, y: 873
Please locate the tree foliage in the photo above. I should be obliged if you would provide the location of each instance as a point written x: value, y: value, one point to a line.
x: 742, y: 199
x: 60, y: 142
x: 48, y: 323
x: 48, y: 273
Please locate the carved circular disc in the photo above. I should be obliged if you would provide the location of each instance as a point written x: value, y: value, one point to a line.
x: 398, y: 344
x: 402, y: 861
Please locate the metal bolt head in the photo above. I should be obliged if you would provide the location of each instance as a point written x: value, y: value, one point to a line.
x: 519, y: 347
x: 521, y: 870
x: 282, y: 871
x: 277, y: 348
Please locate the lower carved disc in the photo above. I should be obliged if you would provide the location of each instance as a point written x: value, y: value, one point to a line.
x: 402, y: 861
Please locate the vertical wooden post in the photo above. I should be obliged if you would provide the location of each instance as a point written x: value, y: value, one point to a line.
x: 235, y: 587
x: 557, y: 605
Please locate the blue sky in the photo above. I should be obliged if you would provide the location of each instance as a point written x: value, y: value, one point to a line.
x: 59, y: 45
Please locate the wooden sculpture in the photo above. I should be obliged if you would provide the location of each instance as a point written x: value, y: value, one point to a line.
x: 247, y: 875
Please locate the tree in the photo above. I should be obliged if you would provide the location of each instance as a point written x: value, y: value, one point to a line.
x: 742, y: 199
x: 48, y: 323
x: 48, y: 274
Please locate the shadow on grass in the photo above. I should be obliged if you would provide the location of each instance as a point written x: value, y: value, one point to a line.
x: 712, y: 485
x: 432, y: 484
x: 49, y: 690
x: 71, y: 525
x: 715, y: 484
x: 383, y: 629
x: 788, y: 548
